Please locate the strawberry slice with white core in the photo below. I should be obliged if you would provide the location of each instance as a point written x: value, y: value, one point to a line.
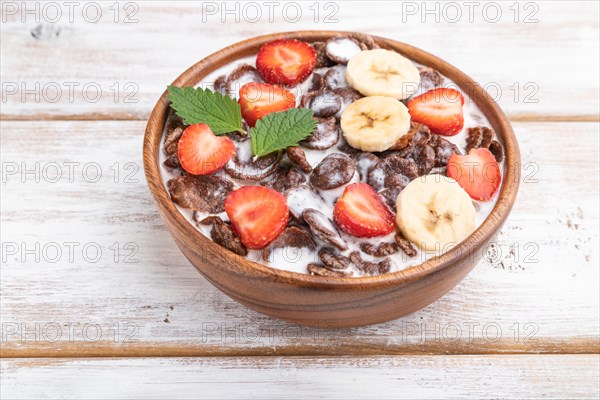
x: 440, y: 109
x: 257, y: 214
x: 478, y: 173
x: 361, y: 212
x: 201, y: 152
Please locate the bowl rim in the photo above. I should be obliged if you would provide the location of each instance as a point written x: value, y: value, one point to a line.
x: 242, y: 265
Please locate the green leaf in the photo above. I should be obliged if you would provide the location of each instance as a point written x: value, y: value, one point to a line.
x: 280, y: 130
x: 195, y: 106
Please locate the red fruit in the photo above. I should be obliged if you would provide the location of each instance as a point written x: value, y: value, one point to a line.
x: 286, y: 61
x: 477, y: 172
x: 439, y: 109
x: 258, y: 214
x: 260, y: 99
x: 201, y: 152
x: 362, y: 213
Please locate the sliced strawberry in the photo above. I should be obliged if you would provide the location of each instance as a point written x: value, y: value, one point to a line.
x: 362, y: 213
x: 440, y: 109
x: 286, y: 61
x: 258, y: 214
x: 477, y: 172
x: 260, y: 99
x: 201, y: 152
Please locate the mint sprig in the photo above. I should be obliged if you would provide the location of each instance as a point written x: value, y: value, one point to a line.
x: 280, y: 130
x: 195, y: 106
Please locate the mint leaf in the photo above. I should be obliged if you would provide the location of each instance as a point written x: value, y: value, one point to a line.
x: 195, y: 106
x: 280, y: 130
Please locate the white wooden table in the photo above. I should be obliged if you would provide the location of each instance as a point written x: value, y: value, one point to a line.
x: 97, y: 301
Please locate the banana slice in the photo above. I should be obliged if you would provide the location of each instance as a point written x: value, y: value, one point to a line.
x: 375, y: 123
x: 382, y: 72
x: 435, y: 213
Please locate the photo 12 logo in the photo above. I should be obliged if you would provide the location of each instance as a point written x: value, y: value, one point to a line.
x: 269, y: 11
x: 53, y: 12
x: 52, y: 332
x: 469, y: 11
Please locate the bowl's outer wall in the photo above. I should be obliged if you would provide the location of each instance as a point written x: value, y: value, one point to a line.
x: 321, y: 301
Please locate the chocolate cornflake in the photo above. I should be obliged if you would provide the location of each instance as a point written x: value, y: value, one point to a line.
x: 172, y: 161
x: 243, y: 166
x: 349, y: 150
x: 405, y: 140
x: 323, y: 228
x: 392, y: 171
x: 325, y: 135
x: 277, y: 180
x: 243, y: 74
x: 297, y: 156
x: 220, y: 84
x: 324, y: 103
x: 322, y: 59
x: 366, y: 42
x: 321, y: 270
x: 381, y: 250
x: 370, y: 268
x: 292, y: 236
x: 347, y: 95
x: 223, y: 234
x: 443, y: 150
x: 173, y: 120
x: 294, y: 178
x: 390, y: 195
x: 341, y: 49
x: 424, y: 157
x: 430, y: 78
x: 287, y: 176
x: 335, y: 78
x: 316, y: 82
x: 332, y: 259
x: 497, y: 150
x: 405, y: 245
x: 210, y: 220
x: 204, y: 193
x: 172, y: 140
x: 333, y: 171
x: 482, y: 136
x: 486, y: 138
x: 428, y: 150
x: 365, y: 162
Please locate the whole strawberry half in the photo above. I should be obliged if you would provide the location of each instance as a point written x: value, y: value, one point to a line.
x: 361, y: 212
x: 257, y: 214
x: 440, y: 109
x: 286, y: 61
x: 201, y: 152
x: 477, y: 173
x: 259, y: 99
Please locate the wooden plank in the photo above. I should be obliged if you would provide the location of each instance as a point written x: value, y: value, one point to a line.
x: 416, y: 377
x: 541, y: 296
x: 516, y: 61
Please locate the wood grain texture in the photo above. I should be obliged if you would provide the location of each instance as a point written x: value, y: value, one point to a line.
x: 501, y: 56
x: 174, y: 311
x: 424, y: 377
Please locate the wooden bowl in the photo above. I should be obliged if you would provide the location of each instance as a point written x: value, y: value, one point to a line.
x: 327, y: 301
